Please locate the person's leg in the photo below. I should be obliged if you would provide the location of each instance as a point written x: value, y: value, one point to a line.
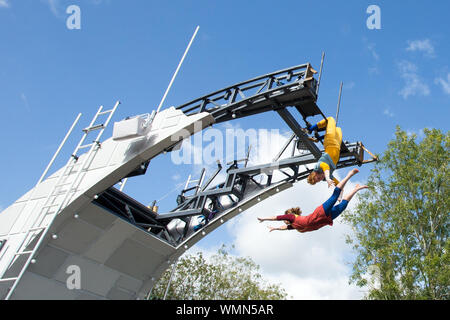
x: 339, y: 135
x: 342, y: 183
x: 357, y: 188
x: 330, y: 134
x: 319, y: 126
x: 328, y: 205
x: 338, y: 209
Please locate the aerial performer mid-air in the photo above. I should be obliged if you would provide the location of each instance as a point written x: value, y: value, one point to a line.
x: 322, y: 216
x: 328, y: 161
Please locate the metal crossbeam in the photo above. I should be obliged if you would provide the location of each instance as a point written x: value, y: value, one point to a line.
x: 237, y: 179
x: 239, y: 183
x: 276, y: 91
x: 257, y: 95
x: 295, y: 126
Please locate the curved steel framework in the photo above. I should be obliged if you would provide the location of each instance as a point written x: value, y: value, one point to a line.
x: 106, y: 231
x: 291, y: 87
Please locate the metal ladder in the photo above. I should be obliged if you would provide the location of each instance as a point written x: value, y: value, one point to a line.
x: 38, y: 229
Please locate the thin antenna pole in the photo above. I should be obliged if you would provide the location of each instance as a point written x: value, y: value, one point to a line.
x: 339, y: 102
x: 187, y: 182
x: 320, y: 73
x: 59, y: 149
x: 124, y: 181
x: 170, y: 279
x: 247, y: 156
x: 176, y: 71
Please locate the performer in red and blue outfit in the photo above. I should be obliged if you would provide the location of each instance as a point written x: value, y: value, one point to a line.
x: 322, y: 216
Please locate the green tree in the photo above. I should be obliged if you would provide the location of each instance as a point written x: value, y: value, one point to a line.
x: 401, y: 225
x: 222, y: 277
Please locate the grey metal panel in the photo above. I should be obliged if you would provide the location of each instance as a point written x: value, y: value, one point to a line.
x: 143, y: 259
x: 109, y: 241
x: 88, y: 296
x: 76, y: 236
x: 128, y: 283
x: 95, y: 278
x: 9, y: 216
x: 120, y: 294
x: 48, y: 261
x: 33, y: 286
x: 98, y: 217
x: 150, y: 241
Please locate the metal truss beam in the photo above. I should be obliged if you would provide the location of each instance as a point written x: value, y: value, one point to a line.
x: 276, y: 91
x: 287, y: 87
x: 237, y: 186
x: 295, y: 126
x: 237, y: 180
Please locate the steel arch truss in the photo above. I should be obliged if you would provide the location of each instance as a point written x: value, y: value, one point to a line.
x: 292, y: 87
x: 210, y: 202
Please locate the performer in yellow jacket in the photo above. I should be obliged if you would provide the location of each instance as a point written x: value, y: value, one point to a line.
x: 332, y: 144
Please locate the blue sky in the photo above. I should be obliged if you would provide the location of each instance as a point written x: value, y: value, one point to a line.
x: 128, y: 51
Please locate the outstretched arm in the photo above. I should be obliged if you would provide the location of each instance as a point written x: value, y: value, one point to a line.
x: 326, y: 170
x: 282, y: 228
x: 330, y: 182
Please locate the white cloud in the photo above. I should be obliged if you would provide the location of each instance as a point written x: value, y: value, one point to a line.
x: 310, y: 265
x: 349, y: 85
x: 388, y: 113
x: 374, y: 70
x: 54, y: 6
x: 371, y: 48
x: 414, y: 84
x: 445, y: 84
x: 420, y: 133
x: 4, y: 4
x: 318, y: 289
x: 424, y: 46
x: 24, y: 99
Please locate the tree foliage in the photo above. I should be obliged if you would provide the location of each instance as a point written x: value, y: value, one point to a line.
x: 222, y: 277
x: 401, y: 225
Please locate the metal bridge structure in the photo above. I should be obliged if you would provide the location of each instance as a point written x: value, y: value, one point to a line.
x: 75, y: 235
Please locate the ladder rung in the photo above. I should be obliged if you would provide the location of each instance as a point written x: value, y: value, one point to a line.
x: 23, y: 253
x: 62, y: 192
x: 85, y: 146
x: 96, y: 127
x: 64, y: 184
x: 105, y: 112
x: 72, y: 165
x: 9, y: 279
x: 36, y: 229
x: 51, y: 205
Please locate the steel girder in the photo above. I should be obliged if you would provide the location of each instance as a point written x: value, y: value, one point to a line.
x: 239, y: 184
x: 276, y: 91
x: 287, y: 87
